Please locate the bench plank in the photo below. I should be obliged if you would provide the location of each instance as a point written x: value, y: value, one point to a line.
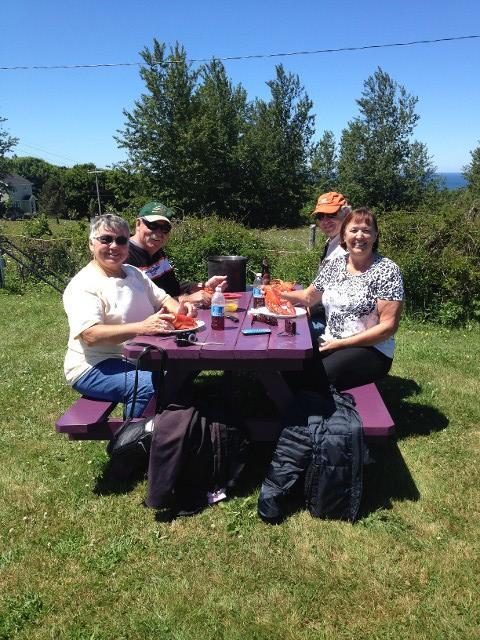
x: 377, y: 421
x: 89, y: 419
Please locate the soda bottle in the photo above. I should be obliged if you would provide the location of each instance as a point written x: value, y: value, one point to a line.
x: 265, y: 272
x: 218, y: 309
x: 258, y: 297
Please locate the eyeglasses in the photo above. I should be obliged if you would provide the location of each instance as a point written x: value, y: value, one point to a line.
x: 157, y: 226
x: 108, y: 239
x: 330, y: 216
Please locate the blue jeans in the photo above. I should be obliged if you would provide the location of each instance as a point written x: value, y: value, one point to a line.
x: 113, y: 379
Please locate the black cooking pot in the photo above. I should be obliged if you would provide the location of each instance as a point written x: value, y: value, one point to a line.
x: 234, y: 267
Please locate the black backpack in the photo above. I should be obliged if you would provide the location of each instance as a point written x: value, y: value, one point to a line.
x: 318, y: 460
x: 194, y: 455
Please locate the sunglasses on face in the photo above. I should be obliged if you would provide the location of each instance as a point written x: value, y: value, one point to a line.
x: 157, y: 226
x: 108, y: 239
x: 330, y: 216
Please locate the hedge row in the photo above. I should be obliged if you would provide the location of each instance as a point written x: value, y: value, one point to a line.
x: 437, y: 252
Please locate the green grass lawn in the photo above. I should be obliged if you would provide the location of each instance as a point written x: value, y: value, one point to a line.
x: 79, y: 560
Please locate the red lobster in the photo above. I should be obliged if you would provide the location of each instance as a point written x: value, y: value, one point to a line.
x: 183, y: 322
x: 273, y: 297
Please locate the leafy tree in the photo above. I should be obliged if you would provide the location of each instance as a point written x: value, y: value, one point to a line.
x: 79, y: 187
x: 324, y: 164
x: 126, y: 188
x: 52, y: 198
x: 471, y: 171
x: 36, y: 170
x: 7, y: 143
x: 216, y: 129
x: 379, y: 165
x: 157, y: 133
x: 274, y: 153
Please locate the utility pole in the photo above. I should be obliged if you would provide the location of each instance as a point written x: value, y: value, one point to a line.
x: 96, y: 172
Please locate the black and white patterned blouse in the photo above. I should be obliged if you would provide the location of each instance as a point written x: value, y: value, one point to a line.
x: 350, y: 301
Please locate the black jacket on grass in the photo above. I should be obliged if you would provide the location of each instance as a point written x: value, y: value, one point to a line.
x: 322, y: 445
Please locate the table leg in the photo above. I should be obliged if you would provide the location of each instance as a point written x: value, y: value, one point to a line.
x: 174, y: 379
x: 276, y: 387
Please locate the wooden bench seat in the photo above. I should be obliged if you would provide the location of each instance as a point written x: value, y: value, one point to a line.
x: 377, y: 421
x: 89, y: 419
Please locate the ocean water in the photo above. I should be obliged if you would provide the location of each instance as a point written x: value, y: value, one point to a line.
x: 452, y: 180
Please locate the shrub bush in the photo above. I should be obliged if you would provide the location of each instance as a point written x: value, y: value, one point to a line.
x: 438, y: 255
x: 194, y: 239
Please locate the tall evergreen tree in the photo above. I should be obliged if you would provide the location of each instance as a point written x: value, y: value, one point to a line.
x: 158, y: 131
x: 471, y: 171
x: 52, y: 198
x: 379, y: 164
x: 275, y: 152
x: 7, y: 143
x: 219, y: 123
x: 324, y: 164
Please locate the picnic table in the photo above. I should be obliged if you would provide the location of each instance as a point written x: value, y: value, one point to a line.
x: 266, y: 356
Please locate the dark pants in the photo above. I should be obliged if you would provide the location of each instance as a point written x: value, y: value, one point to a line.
x: 351, y: 367
x: 343, y: 368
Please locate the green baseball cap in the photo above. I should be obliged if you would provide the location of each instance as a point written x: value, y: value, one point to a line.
x: 156, y: 211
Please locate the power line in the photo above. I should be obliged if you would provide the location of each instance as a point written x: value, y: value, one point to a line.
x: 247, y: 57
x: 50, y: 153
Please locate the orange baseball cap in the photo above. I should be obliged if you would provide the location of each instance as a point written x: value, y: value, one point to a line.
x: 330, y: 202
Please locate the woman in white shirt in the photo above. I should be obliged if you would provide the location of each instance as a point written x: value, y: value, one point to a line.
x: 362, y: 293
x: 108, y: 303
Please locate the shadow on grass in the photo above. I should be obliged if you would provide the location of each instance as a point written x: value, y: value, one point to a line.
x: 118, y: 478
x: 385, y: 481
x: 389, y: 478
x: 411, y: 418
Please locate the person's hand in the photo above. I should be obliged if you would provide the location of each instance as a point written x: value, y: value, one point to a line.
x: 187, y: 309
x: 200, y: 298
x: 330, y: 345
x: 157, y: 323
x: 217, y: 281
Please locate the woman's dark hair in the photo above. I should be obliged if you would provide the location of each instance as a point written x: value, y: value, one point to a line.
x: 363, y: 214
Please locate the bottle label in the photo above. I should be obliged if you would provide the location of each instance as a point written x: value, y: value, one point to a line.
x: 217, y: 311
x: 257, y: 292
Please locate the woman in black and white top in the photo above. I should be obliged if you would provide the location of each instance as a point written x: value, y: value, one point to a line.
x: 362, y: 293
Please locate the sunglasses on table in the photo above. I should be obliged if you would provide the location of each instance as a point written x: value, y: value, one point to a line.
x: 108, y: 239
x: 164, y: 227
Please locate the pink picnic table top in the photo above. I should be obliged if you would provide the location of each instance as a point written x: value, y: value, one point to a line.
x: 266, y: 355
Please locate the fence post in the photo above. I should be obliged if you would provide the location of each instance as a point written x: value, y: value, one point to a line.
x: 2, y: 271
x: 311, y: 242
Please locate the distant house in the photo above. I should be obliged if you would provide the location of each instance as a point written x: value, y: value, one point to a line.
x: 16, y: 194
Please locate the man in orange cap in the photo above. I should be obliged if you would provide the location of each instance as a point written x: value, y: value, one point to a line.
x: 329, y: 212
x: 331, y: 209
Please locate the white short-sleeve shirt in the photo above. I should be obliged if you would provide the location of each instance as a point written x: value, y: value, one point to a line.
x: 350, y: 301
x: 92, y: 298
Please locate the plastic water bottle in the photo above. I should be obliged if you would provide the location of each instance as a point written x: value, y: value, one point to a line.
x: 218, y: 309
x: 258, y: 297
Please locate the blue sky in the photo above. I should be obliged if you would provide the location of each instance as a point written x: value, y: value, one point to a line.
x: 70, y: 116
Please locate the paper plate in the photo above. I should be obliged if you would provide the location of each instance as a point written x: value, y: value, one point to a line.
x: 299, y: 312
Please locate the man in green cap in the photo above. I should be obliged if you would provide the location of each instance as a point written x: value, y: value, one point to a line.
x: 146, y: 251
